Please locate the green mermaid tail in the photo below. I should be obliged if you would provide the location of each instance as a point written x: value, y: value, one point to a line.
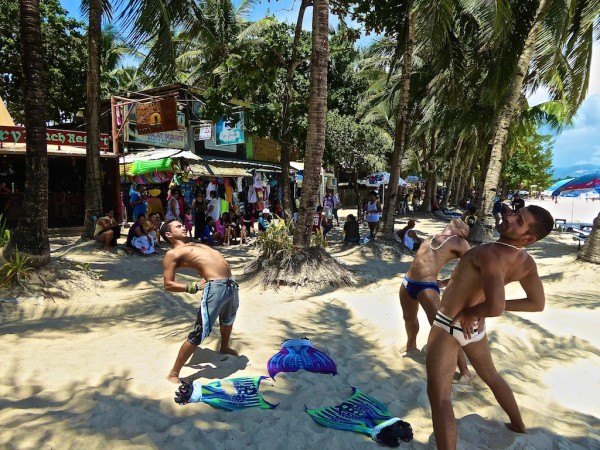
x: 363, y: 414
x: 231, y: 394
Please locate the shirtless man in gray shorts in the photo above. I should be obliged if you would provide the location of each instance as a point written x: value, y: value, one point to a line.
x: 476, y: 291
x: 220, y: 292
x: 420, y: 284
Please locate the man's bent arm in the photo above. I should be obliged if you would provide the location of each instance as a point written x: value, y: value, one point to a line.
x: 169, y: 266
x: 493, y: 288
x: 535, y: 300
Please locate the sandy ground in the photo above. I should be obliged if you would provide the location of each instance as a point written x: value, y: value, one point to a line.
x: 88, y: 372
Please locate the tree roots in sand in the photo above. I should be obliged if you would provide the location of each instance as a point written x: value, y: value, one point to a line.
x: 311, y: 265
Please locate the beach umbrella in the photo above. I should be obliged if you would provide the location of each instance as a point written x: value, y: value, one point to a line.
x: 586, y: 184
x: 550, y: 189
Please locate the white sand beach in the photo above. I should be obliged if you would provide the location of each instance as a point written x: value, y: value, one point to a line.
x: 88, y: 371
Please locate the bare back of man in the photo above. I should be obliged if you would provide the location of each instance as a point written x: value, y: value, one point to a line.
x: 420, y: 284
x: 476, y: 291
x: 219, y: 296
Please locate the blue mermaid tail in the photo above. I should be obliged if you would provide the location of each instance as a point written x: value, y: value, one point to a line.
x: 363, y: 414
x: 231, y: 394
x: 296, y: 354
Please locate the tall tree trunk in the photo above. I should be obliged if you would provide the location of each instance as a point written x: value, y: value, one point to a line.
x: 286, y: 129
x: 591, y: 249
x: 400, y: 133
x: 484, y: 227
x: 30, y: 237
x: 317, y: 112
x: 93, y: 168
x: 463, y: 177
x: 450, y: 185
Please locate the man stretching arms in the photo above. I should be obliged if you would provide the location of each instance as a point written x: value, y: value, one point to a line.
x: 476, y: 291
x: 420, y: 286
x: 220, y: 295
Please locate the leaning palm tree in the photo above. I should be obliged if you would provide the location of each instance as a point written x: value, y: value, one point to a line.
x: 556, y: 54
x: 30, y: 237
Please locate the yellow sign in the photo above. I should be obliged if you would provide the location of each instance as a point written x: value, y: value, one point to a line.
x: 265, y: 149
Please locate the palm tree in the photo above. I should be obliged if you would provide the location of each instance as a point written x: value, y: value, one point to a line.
x: 557, y: 51
x: 317, y: 114
x: 401, y: 125
x: 93, y: 169
x: 591, y: 249
x: 30, y: 237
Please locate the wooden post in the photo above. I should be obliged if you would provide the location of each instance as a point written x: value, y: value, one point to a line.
x: 117, y: 176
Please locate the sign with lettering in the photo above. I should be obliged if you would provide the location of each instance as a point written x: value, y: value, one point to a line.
x: 203, y: 132
x: 230, y: 131
x: 167, y: 139
x: 17, y: 135
x: 155, y: 117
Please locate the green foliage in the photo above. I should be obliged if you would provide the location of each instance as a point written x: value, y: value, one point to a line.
x: 15, y: 271
x: 529, y: 164
x: 355, y: 147
x: 318, y: 239
x: 4, y: 232
x: 277, y: 239
x: 65, y: 61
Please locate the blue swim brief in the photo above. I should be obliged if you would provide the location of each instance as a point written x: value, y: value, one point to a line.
x: 415, y: 287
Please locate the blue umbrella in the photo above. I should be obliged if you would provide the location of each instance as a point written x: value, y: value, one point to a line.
x: 577, y: 186
x: 550, y: 189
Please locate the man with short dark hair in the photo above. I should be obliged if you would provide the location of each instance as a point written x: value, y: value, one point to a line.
x: 220, y: 291
x: 476, y: 291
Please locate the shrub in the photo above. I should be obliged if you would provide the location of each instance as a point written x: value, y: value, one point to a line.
x: 15, y: 271
x: 277, y: 239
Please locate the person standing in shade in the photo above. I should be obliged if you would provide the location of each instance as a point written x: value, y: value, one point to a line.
x: 517, y: 202
x: 199, y: 209
x: 373, y: 211
x: 173, y: 205
x: 137, y: 201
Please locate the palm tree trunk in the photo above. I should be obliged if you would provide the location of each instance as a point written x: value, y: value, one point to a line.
x: 451, y: 183
x: 483, y: 228
x: 286, y: 128
x: 591, y: 249
x: 317, y: 112
x: 30, y: 236
x: 400, y: 133
x: 93, y: 169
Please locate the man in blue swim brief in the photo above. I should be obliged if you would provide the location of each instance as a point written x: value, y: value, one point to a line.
x: 220, y: 292
x: 420, y: 284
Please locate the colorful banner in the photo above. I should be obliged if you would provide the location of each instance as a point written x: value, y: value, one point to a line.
x: 17, y: 135
x: 166, y: 139
x: 230, y: 131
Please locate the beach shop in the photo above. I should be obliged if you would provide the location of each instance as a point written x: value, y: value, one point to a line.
x: 66, y: 174
x: 165, y: 141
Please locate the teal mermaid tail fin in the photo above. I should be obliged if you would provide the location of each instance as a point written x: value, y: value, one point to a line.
x: 231, y: 394
x: 364, y: 414
x: 360, y: 413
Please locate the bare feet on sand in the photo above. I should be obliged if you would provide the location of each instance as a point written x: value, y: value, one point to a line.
x: 516, y: 428
x: 173, y: 377
x: 464, y: 379
x: 412, y: 348
x: 228, y: 351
